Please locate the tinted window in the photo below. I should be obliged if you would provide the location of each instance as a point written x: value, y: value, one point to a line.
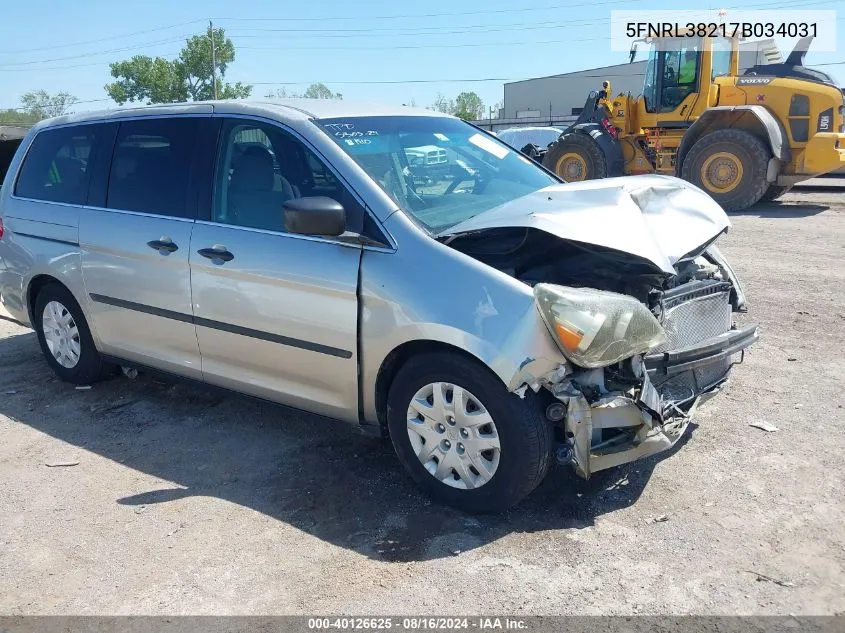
x: 260, y: 166
x: 57, y: 165
x: 151, y: 166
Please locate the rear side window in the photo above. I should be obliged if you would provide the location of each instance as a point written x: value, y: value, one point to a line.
x: 57, y: 165
x: 151, y: 167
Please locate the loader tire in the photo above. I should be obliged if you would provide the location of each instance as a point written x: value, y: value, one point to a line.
x: 730, y: 165
x: 576, y: 156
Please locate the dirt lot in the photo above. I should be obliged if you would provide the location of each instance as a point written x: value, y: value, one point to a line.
x: 184, y: 501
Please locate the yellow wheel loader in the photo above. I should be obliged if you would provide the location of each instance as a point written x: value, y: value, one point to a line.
x: 742, y: 138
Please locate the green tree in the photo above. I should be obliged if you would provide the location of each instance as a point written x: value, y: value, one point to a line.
x: 188, y: 77
x: 280, y: 93
x: 37, y: 105
x: 442, y: 104
x: 469, y: 106
x: 320, y: 91
x: 16, y: 117
x: 314, y: 91
x: 41, y: 105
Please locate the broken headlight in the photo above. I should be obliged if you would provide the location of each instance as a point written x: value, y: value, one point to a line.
x: 595, y: 328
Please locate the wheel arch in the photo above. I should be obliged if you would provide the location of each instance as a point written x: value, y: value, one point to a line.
x: 36, y: 284
x: 400, y: 355
x: 753, y: 119
x: 34, y: 287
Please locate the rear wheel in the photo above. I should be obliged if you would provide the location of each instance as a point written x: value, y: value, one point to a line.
x: 575, y: 156
x: 64, y: 336
x: 463, y: 437
x: 731, y: 166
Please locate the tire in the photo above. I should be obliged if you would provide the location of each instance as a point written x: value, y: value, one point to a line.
x: 742, y: 157
x: 88, y: 366
x: 575, y: 156
x: 773, y: 193
x: 524, y: 434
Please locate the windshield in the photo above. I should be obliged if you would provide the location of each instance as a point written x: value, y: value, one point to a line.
x: 441, y: 170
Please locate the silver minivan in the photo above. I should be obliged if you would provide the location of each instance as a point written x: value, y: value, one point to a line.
x: 490, y: 321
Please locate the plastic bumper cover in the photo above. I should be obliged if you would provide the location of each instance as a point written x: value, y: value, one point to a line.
x: 650, y: 422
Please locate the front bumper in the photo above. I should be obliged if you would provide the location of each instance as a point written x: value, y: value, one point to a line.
x: 617, y: 428
x: 697, y: 368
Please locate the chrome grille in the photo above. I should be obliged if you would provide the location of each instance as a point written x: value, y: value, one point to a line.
x: 696, y: 320
x: 690, y: 318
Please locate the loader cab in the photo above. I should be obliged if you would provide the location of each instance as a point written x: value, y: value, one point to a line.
x: 679, y: 77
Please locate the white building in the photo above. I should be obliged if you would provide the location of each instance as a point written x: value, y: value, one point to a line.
x: 558, y: 99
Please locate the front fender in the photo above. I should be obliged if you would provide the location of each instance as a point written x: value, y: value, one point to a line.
x: 752, y: 118
x: 426, y: 291
x: 607, y: 144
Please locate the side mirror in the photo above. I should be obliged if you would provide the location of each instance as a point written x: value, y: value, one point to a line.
x: 314, y: 216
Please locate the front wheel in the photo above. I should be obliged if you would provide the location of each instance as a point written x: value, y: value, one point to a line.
x: 463, y: 437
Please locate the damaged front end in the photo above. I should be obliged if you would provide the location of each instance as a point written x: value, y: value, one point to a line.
x: 641, y: 404
x: 648, y: 333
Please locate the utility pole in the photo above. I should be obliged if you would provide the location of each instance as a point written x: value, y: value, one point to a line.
x: 213, y: 60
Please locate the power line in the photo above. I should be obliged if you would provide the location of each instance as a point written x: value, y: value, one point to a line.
x: 72, y: 66
x: 427, y: 81
x: 427, y: 15
x: 342, y: 32
x: 784, y: 4
x: 83, y: 55
x: 16, y: 66
x: 121, y: 49
x: 470, y: 28
x: 75, y: 103
x: 404, y: 47
x: 102, y: 39
x: 389, y: 29
x: 308, y: 33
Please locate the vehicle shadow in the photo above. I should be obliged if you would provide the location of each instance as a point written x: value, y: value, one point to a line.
x: 779, y: 209
x: 3, y: 317
x: 319, y: 476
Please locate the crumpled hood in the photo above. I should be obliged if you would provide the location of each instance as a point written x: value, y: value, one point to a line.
x: 658, y: 218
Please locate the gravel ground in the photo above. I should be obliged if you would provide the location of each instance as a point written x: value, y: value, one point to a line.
x: 185, y: 501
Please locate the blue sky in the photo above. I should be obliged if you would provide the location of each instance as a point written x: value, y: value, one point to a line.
x: 68, y: 45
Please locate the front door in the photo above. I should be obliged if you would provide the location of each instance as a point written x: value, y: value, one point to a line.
x: 276, y: 314
x: 135, y: 247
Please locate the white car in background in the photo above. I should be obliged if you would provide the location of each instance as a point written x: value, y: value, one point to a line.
x: 519, y: 137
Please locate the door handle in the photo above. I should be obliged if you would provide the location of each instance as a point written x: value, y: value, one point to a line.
x: 164, y: 246
x: 217, y: 252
